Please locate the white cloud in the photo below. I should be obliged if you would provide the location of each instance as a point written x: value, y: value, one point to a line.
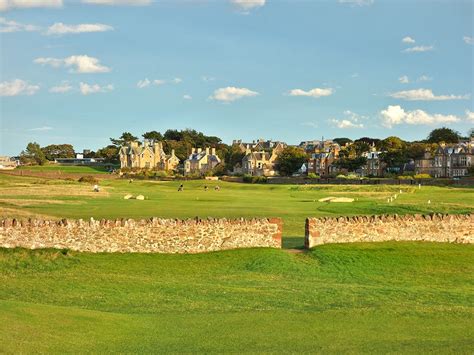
x: 143, y: 83
x: 470, y: 116
x: 247, y: 5
x: 316, y: 92
x: 87, y: 89
x: 395, y: 115
x: 41, y: 129
x: 408, y: 39
x: 230, y: 93
x: 404, y: 79
x: 118, y: 2
x: 355, y: 75
x: 424, y: 78
x: 7, y: 26
x: 61, y: 88
x: 346, y: 124
x: 351, y: 120
x: 418, y: 49
x: 357, y: 2
x: 187, y: 97
x: 17, y: 87
x: 468, y: 40
x: 425, y: 95
x: 207, y: 78
x: 26, y: 4
x: 79, y: 64
x: 159, y: 82
x: 60, y: 28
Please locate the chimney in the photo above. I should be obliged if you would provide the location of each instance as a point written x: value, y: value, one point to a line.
x: 213, y: 151
x: 199, y: 150
x: 207, y: 150
x: 172, y: 153
x: 193, y: 150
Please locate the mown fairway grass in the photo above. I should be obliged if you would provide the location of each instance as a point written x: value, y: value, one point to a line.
x: 378, y: 298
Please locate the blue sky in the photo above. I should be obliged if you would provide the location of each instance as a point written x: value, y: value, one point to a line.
x: 82, y: 71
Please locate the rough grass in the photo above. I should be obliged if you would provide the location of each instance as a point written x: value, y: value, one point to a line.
x: 375, y: 298
x: 65, y: 169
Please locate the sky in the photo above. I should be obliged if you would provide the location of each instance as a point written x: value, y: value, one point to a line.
x: 82, y: 71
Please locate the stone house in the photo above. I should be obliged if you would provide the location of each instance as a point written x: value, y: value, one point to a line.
x: 260, y: 145
x: 447, y: 161
x: 201, y: 161
x: 260, y: 157
x: 375, y: 165
x: 324, y: 154
x: 320, y: 146
x: 259, y: 163
x: 7, y: 163
x: 149, y: 155
x: 321, y: 163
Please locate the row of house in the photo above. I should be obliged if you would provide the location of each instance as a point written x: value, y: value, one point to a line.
x: 260, y: 157
x: 447, y: 161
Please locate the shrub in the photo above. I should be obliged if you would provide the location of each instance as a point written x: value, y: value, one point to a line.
x: 341, y: 176
x: 352, y: 177
x: 161, y: 174
x: 254, y: 179
x: 88, y: 179
x: 313, y: 176
x: 405, y: 177
x: 422, y: 176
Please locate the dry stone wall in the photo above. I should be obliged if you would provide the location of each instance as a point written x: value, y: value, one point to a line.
x: 432, y: 228
x: 143, y: 236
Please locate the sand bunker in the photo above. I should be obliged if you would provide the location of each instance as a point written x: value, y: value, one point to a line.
x: 336, y: 199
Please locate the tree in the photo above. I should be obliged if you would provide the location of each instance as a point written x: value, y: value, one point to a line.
x: 234, y: 155
x: 33, y: 155
x: 444, y: 134
x: 342, y: 141
x: 109, y: 153
x: 416, y: 150
x: 392, y: 143
x: 126, y: 137
x: 351, y: 164
x: 369, y: 141
x: 54, y: 151
x: 153, y: 136
x: 290, y: 160
x: 360, y: 147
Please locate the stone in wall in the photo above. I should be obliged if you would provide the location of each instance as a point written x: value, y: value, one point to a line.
x: 154, y: 235
x: 431, y: 228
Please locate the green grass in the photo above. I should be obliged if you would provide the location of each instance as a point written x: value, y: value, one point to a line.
x: 290, y: 202
x: 377, y: 298
x: 374, y: 298
x: 66, y: 169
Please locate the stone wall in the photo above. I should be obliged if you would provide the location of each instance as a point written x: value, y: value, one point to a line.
x: 431, y: 228
x: 142, y: 236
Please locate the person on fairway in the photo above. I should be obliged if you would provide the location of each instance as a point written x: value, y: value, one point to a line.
x: 181, y: 187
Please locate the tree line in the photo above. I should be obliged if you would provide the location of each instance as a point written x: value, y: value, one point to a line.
x: 395, y: 151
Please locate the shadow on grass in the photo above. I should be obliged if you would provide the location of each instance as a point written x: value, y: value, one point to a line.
x: 293, y: 242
